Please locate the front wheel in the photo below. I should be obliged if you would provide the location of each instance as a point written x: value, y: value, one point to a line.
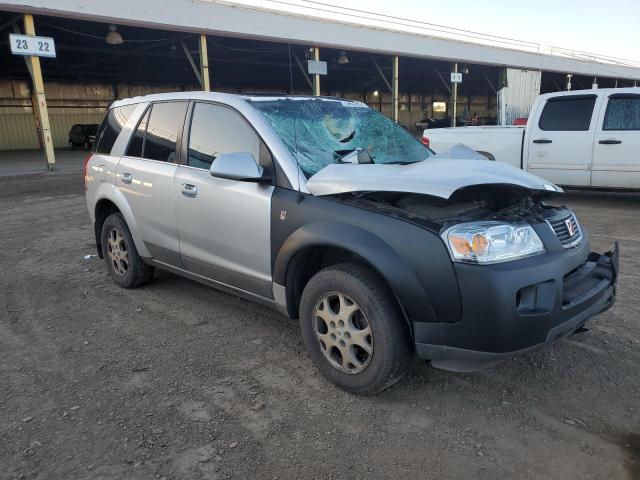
x: 121, y: 256
x: 353, y: 330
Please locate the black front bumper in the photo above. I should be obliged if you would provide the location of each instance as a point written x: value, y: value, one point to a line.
x: 520, y: 307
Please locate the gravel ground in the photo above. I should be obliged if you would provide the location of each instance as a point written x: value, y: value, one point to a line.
x: 178, y: 381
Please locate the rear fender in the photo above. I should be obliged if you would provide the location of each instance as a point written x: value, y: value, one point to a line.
x: 107, y: 191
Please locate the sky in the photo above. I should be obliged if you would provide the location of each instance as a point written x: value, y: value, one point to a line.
x: 607, y: 28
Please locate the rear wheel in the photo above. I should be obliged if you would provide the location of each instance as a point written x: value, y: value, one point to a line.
x: 352, y: 329
x: 123, y: 261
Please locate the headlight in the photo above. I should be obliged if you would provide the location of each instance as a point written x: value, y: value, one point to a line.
x: 491, y: 242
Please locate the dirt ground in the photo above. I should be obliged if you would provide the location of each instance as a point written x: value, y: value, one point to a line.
x: 178, y: 381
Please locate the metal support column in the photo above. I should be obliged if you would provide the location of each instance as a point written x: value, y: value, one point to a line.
x: 204, y: 63
x: 41, y: 101
x: 394, y: 90
x: 454, y: 106
x: 316, y: 78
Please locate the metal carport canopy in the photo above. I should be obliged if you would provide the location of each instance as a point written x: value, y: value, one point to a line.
x: 205, y: 16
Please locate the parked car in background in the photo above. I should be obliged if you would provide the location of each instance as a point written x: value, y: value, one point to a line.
x: 333, y: 214
x: 428, y: 123
x: 82, y: 135
x: 585, y: 138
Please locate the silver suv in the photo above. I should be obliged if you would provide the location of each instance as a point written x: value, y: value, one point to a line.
x: 333, y: 214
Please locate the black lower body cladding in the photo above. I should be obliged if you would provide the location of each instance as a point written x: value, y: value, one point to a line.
x: 522, y: 306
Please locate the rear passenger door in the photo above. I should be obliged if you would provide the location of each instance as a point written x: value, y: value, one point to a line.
x: 560, y: 144
x: 224, y: 225
x: 145, y: 177
x: 616, y: 152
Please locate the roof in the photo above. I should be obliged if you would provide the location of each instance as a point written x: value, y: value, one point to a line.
x: 218, y: 96
x: 230, y: 20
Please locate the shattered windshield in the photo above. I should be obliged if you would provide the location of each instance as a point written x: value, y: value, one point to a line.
x: 320, y: 131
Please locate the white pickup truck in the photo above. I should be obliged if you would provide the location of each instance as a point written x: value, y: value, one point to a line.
x: 577, y: 138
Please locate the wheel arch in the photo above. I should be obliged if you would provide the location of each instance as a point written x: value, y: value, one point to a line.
x: 116, y: 203
x: 318, y: 245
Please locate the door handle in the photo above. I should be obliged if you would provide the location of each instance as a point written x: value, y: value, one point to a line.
x: 542, y: 140
x: 189, y: 190
x: 127, y: 178
x: 610, y: 141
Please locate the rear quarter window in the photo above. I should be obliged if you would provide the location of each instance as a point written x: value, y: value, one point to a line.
x: 567, y: 114
x: 111, y: 127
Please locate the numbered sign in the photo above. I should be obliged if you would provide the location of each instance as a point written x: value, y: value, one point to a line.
x: 317, y: 67
x: 456, y: 77
x: 35, y: 46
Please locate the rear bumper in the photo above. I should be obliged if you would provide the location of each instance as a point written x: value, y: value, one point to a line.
x: 513, y: 309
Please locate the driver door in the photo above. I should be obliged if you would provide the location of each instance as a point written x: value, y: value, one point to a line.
x: 223, y: 225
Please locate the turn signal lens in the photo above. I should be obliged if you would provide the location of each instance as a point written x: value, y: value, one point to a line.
x: 460, y: 245
x: 479, y: 244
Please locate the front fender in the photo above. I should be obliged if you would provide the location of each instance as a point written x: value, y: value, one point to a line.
x: 397, y: 273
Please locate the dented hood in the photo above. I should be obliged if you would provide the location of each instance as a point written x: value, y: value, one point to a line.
x: 440, y: 176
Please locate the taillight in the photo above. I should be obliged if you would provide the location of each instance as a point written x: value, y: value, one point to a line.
x: 84, y: 169
x: 425, y: 141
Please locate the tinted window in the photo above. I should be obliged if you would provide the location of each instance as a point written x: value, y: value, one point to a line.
x: 111, y: 128
x: 567, y: 114
x: 215, y: 130
x: 165, y: 122
x: 136, y: 143
x: 623, y: 113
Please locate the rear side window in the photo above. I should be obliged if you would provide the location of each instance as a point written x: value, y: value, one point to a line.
x: 216, y: 129
x: 623, y: 113
x: 157, y: 133
x: 111, y: 127
x: 567, y: 114
x: 136, y: 144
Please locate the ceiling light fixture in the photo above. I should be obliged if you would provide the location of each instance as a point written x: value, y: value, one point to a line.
x: 342, y: 58
x: 114, y: 37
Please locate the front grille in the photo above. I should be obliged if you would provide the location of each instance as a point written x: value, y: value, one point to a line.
x: 567, y: 229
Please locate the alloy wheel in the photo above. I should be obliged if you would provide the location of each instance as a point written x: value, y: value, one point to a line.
x: 343, y: 332
x: 118, y: 253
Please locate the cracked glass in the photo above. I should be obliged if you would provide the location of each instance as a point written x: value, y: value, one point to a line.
x: 320, y: 131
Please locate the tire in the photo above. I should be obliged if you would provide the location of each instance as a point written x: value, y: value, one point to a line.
x: 360, y: 297
x: 121, y: 257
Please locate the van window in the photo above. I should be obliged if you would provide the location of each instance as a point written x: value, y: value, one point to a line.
x: 111, y: 127
x: 623, y: 113
x: 216, y: 129
x: 567, y: 114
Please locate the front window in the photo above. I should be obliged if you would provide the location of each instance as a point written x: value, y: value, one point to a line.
x: 318, y: 132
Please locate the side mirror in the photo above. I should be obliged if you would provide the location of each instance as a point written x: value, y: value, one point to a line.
x: 239, y: 166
